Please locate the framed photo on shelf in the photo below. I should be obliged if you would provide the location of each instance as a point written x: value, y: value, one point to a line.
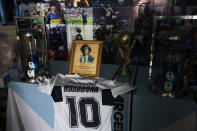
x: 85, y: 58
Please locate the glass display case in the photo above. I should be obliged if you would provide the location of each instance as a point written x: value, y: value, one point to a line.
x: 173, y: 55
x: 33, y: 47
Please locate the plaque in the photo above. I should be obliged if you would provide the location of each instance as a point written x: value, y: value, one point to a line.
x: 85, y: 58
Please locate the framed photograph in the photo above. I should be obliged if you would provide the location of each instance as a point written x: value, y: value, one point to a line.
x: 86, y: 57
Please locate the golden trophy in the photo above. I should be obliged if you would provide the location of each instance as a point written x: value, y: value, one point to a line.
x: 126, y: 43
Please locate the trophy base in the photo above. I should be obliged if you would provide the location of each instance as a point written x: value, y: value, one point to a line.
x: 125, y: 72
x: 29, y: 80
x: 128, y: 77
x: 33, y: 75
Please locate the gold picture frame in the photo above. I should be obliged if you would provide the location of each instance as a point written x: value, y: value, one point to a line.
x: 85, y: 58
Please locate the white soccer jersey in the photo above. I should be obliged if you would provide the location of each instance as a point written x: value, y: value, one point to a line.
x: 82, y: 104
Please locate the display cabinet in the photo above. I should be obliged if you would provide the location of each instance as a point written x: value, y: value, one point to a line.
x: 173, y: 51
x: 141, y: 111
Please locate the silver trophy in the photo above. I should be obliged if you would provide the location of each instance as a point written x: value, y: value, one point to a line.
x: 33, y: 47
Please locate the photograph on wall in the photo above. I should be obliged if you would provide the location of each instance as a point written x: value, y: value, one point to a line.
x: 79, y: 16
x: 39, y: 9
x: 55, y: 13
x: 57, y: 41
x: 79, y: 23
x: 52, y: 10
x: 108, y: 23
x: 73, y: 3
x: 114, y: 3
x: 94, y: 3
x: 119, y: 18
x: 86, y: 58
x: 56, y: 31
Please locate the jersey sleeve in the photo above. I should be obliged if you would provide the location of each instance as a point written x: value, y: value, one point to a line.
x: 107, y: 98
x: 57, y: 94
x: 116, y: 87
x: 120, y: 88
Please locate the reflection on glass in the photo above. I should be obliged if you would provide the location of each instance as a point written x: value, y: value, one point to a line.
x: 0, y: 18
x: 173, y: 56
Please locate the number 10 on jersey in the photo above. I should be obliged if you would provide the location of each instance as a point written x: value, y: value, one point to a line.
x: 84, y: 107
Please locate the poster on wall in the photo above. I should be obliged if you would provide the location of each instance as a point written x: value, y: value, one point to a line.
x: 39, y: 9
x: 108, y: 23
x: 63, y: 26
x: 56, y: 31
x: 114, y: 3
x: 79, y: 23
x: 57, y: 41
x: 94, y: 3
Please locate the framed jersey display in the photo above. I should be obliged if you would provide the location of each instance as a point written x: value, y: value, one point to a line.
x: 86, y: 58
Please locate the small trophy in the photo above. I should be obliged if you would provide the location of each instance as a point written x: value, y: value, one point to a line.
x: 126, y: 43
